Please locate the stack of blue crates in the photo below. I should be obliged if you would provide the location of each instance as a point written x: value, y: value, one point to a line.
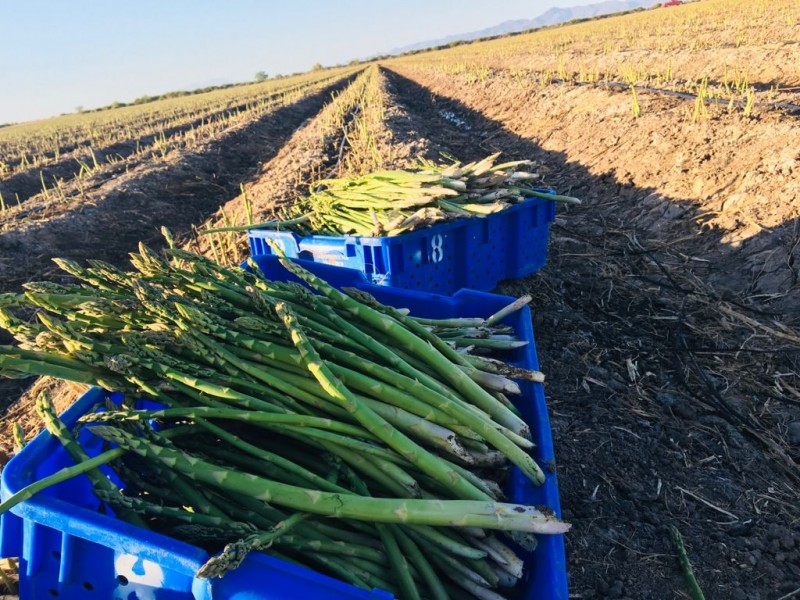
x: 473, y: 253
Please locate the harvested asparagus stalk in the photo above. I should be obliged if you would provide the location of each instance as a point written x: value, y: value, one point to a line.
x: 388, y: 203
x: 280, y: 409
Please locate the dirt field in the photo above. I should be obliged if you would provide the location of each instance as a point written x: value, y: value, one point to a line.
x: 664, y: 392
x: 667, y: 317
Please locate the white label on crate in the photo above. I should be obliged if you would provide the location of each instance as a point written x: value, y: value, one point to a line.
x: 437, y: 253
x: 136, y: 570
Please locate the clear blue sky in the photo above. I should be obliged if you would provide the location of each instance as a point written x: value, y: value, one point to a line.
x: 56, y: 55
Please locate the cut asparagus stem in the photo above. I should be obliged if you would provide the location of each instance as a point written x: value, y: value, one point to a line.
x: 371, y: 420
x: 46, y: 410
x: 507, y: 310
x: 417, y: 558
x: 409, y: 341
x: 63, y: 475
x: 456, y: 513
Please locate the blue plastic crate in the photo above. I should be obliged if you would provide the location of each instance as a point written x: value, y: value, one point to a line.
x: 69, y: 549
x: 474, y: 253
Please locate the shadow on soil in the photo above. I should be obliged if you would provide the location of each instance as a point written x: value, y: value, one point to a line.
x: 671, y: 378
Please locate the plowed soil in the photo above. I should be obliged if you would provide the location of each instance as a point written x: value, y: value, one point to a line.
x: 664, y: 322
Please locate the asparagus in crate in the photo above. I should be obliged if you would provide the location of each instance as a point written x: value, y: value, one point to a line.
x: 281, y: 408
x: 388, y: 203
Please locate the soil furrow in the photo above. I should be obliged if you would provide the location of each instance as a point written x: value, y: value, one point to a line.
x: 722, y: 176
x: 311, y: 153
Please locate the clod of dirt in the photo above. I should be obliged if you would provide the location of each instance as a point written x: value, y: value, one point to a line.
x: 793, y: 433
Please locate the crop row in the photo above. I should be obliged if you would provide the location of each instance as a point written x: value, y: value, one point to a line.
x: 345, y: 139
x: 78, y: 176
x: 718, y: 45
x: 41, y: 143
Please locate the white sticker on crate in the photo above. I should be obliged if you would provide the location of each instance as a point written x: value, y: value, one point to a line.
x: 133, y: 569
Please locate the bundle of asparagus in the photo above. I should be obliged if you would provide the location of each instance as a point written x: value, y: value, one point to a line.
x: 281, y: 406
x: 388, y: 203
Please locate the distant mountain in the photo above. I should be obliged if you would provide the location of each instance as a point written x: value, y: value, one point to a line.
x: 554, y: 16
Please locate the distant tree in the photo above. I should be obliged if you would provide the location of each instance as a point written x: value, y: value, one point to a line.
x: 79, y: 109
x: 261, y: 76
x: 316, y: 66
x: 145, y: 99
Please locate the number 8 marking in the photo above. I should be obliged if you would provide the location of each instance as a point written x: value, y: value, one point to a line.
x: 437, y: 254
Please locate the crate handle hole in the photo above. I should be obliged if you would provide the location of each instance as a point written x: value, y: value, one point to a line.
x: 53, y: 592
x: 88, y: 586
x: 122, y: 579
x: 56, y: 554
